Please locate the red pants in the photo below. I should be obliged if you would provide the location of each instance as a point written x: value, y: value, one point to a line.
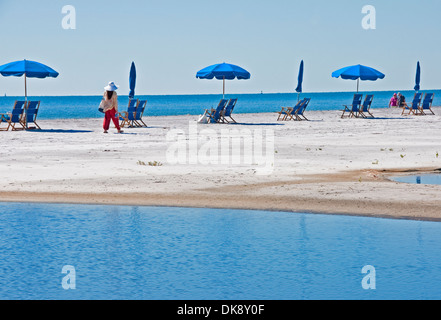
x: 111, y: 115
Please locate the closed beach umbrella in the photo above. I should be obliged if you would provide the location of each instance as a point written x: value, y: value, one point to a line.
x: 30, y: 69
x: 358, y: 73
x: 299, y: 88
x: 223, y: 71
x: 418, y: 78
x: 132, y: 81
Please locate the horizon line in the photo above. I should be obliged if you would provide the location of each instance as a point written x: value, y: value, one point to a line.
x: 216, y: 94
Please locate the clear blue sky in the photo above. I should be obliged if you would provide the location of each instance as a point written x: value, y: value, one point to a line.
x: 170, y: 40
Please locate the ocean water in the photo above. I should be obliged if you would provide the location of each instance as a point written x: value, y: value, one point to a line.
x: 185, y: 254
x: 74, y: 107
x: 434, y: 179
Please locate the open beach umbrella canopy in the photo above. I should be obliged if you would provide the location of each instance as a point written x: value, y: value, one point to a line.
x: 358, y: 72
x: 418, y: 78
x: 132, y: 81
x: 223, y: 71
x: 30, y: 69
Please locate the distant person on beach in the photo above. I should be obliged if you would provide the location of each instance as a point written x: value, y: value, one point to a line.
x: 110, y: 107
x: 394, y: 101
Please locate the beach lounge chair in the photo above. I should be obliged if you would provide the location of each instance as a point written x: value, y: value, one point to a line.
x: 128, y: 117
x: 288, y: 112
x: 215, y: 114
x: 15, y: 117
x: 283, y: 113
x: 415, y: 105
x: 366, y: 106
x: 140, y: 112
x: 354, y: 108
x: 301, y: 110
x: 426, y: 105
x: 31, y: 113
x: 228, y: 111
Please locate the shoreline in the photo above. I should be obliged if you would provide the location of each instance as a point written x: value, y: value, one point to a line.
x: 344, y: 207
x: 324, y: 166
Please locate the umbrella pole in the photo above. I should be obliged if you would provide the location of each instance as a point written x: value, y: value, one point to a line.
x: 26, y: 100
x: 26, y: 89
x: 223, y: 97
x: 358, y: 84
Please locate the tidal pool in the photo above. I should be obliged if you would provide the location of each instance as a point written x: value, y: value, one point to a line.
x: 157, y: 253
x: 434, y: 178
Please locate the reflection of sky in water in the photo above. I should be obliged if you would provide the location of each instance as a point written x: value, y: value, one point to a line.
x: 177, y: 253
x: 420, y: 179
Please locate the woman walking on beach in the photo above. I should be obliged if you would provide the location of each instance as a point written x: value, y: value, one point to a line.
x: 110, y: 107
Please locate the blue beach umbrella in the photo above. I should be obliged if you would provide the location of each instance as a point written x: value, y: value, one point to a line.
x: 418, y: 78
x: 30, y: 69
x: 223, y: 71
x: 299, y: 88
x: 358, y: 73
x: 132, y: 81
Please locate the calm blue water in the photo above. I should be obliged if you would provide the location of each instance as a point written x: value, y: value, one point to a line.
x: 420, y: 179
x: 87, y: 106
x: 176, y: 253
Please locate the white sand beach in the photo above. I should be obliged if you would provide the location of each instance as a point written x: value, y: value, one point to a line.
x: 326, y: 165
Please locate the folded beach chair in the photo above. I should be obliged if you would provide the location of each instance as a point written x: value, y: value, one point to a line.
x: 366, y: 106
x: 426, y: 105
x: 31, y: 114
x: 353, y: 109
x: 301, y: 110
x: 15, y: 117
x: 215, y: 114
x: 228, y: 111
x: 128, y: 117
x: 288, y: 112
x: 140, y: 112
x: 414, y: 107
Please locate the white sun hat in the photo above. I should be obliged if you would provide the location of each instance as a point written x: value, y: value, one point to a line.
x: 111, y: 86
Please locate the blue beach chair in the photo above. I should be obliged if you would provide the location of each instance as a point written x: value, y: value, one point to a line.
x: 128, y: 117
x: 301, y: 110
x: 354, y: 108
x: 215, y: 114
x: 366, y: 107
x: 289, y: 111
x: 228, y: 111
x: 31, y: 113
x: 15, y: 117
x: 140, y: 112
x: 427, y: 103
x: 415, y: 106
